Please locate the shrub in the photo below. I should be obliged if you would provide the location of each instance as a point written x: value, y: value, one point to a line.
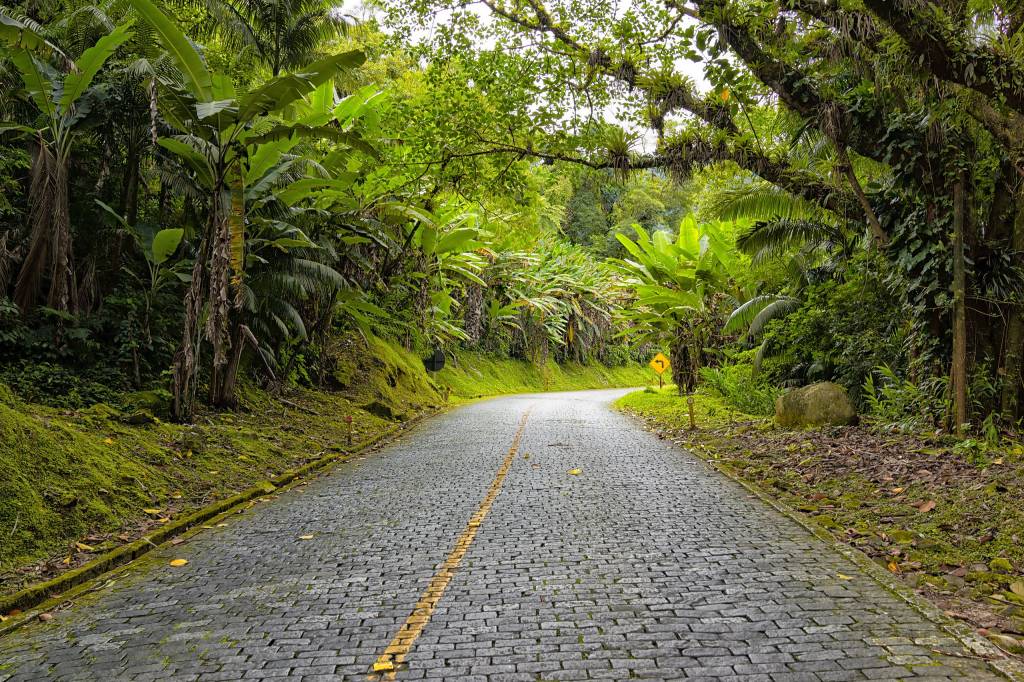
x: 841, y: 333
x: 736, y: 385
x: 58, y: 386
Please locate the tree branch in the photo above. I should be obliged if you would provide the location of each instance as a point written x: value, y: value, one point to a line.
x: 950, y: 53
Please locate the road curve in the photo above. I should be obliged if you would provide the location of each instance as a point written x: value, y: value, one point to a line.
x: 467, y: 551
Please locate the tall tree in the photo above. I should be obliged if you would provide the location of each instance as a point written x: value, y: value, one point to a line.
x: 281, y: 34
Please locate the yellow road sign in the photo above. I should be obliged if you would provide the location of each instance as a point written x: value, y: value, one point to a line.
x: 660, y: 364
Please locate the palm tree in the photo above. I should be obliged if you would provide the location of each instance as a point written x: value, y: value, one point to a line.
x: 282, y: 34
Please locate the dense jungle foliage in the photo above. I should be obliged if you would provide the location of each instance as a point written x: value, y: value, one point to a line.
x: 203, y: 192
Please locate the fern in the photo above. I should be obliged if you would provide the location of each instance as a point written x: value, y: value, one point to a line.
x: 758, y: 200
x: 770, y: 239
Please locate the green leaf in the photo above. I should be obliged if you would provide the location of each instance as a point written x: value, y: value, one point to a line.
x: 321, y: 102
x: 14, y: 128
x: 89, y: 64
x: 265, y: 157
x: 630, y: 246
x: 191, y: 157
x: 184, y: 54
x: 302, y: 131
x: 428, y: 239
x: 279, y: 92
x: 456, y: 240
x: 308, y: 187
x: 207, y: 109
x: 15, y: 35
x: 165, y: 243
x: 689, y: 235
x: 285, y: 243
x: 353, y: 105
x: 39, y: 86
x: 178, y: 107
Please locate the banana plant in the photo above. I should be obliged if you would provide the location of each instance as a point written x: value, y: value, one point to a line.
x: 677, y: 285
x: 448, y: 254
x: 63, y: 94
x: 224, y: 140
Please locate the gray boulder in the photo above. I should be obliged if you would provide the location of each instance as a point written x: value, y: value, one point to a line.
x: 815, y: 405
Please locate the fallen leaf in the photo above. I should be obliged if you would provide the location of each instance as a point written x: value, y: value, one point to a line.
x: 179, y: 562
x: 150, y: 510
x: 997, y: 460
x: 894, y: 567
x: 2, y: 617
x: 84, y: 547
x: 176, y: 495
x: 927, y: 506
x: 575, y: 472
x: 305, y: 537
x: 45, y: 617
x: 177, y: 541
x: 108, y: 441
x: 526, y: 456
x: 67, y: 560
x: 897, y: 491
x: 213, y: 472
x: 1017, y: 588
x: 222, y: 525
x: 844, y: 577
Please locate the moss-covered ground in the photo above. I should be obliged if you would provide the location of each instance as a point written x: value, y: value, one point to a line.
x: 476, y: 374
x: 74, y: 483
x: 945, y: 517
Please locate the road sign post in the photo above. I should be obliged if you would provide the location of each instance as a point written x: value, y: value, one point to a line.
x: 660, y: 364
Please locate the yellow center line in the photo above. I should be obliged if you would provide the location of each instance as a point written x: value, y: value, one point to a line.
x: 395, y: 653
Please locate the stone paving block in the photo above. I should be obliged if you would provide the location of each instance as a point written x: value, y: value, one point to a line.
x: 647, y: 565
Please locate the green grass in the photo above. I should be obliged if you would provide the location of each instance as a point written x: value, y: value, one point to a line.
x: 667, y: 407
x: 476, y: 374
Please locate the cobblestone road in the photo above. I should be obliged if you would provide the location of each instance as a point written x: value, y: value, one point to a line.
x: 645, y: 565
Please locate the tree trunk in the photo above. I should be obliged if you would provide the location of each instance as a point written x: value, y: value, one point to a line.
x: 472, y: 314
x: 219, y: 320
x: 130, y: 184
x: 879, y: 235
x: 230, y: 378
x: 958, y: 374
x: 681, y: 358
x: 1010, y: 399
x: 186, y: 359
x: 50, y: 246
